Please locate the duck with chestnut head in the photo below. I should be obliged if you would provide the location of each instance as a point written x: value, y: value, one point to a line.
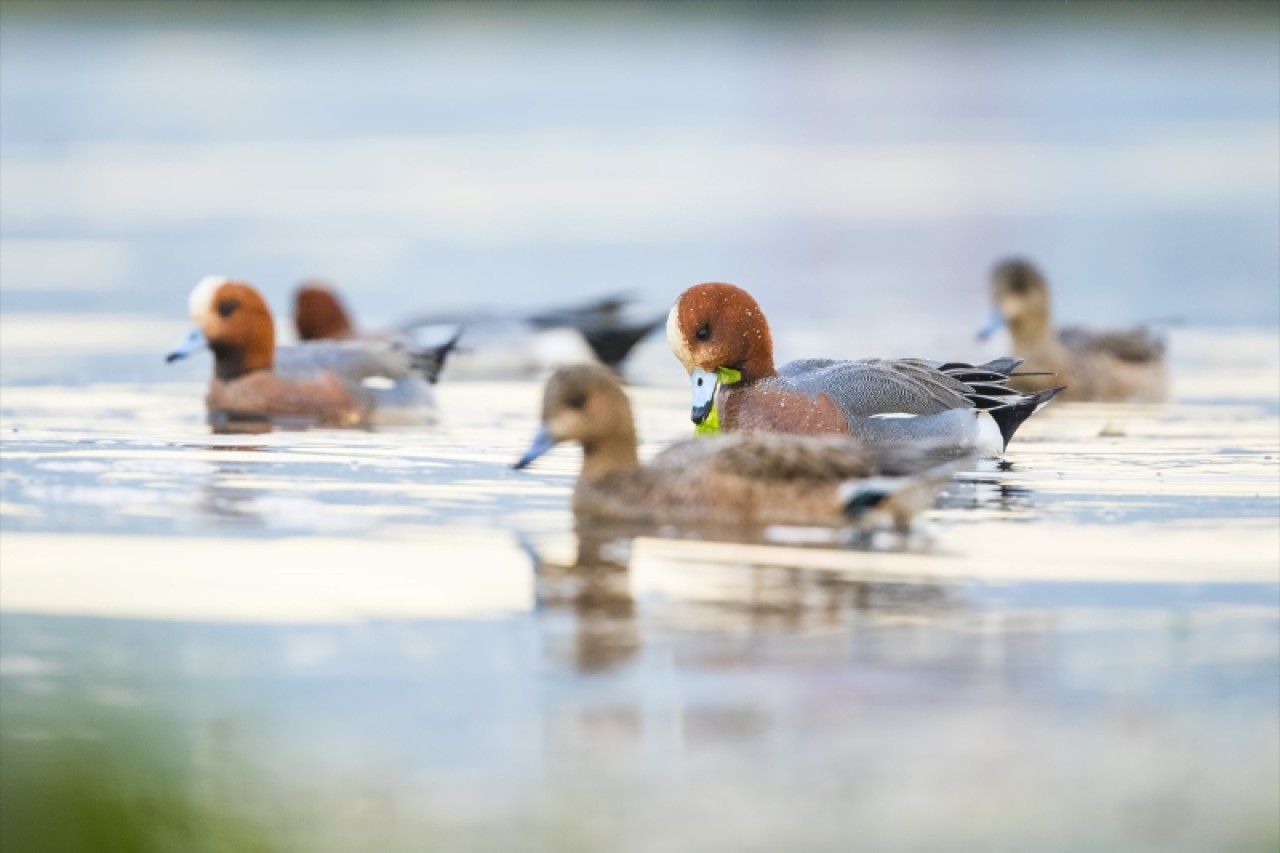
x: 330, y: 383
x: 720, y: 334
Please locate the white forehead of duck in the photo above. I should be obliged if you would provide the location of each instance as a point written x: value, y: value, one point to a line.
x: 201, y: 299
x: 675, y: 338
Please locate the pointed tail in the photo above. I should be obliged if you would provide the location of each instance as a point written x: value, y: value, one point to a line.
x: 1012, y: 415
x: 428, y: 362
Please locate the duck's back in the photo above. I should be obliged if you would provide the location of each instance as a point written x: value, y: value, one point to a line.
x: 1135, y: 346
x: 382, y: 376
x: 350, y: 361
x: 877, y: 386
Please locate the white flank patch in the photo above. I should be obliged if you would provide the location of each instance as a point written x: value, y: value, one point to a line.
x: 378, y: 383
x: 850, y: 489
x: 201, y: 299
x: 989, y: 440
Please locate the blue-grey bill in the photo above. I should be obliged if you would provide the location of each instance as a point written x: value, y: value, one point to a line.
x: 994, y: 323
x: 193, y: 342
x: 542, y: 442
x: 704, y: 383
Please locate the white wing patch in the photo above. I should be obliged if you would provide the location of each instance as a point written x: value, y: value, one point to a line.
x: 989, y: 439
x: 889, y: 415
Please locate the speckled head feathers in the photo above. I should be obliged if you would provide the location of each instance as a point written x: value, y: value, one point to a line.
x: 716, y: 325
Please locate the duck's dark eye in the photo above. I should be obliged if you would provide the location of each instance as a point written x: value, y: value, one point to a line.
x: 576, y: 401
x: 227, y: 307
x: 704, y: 332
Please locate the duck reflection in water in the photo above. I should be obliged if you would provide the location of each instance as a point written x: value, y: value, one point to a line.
x: 596, y: 588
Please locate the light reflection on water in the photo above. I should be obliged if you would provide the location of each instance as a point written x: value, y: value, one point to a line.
x: 394, y: 631
x: 388, y: 640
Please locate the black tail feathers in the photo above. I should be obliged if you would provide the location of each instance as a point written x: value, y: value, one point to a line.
x: 612, y: 344
x: 428, y: 362
x: 1010, y: 417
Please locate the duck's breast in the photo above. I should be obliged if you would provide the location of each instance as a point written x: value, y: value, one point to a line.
x: 322, y: 399
x: 772, y: 406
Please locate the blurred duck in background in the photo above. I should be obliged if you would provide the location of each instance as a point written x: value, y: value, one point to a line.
x: 720, y: 335
x: 354, y: 383
x: 604, y: 325
x: 743, y: 479
x: 320, y: 315
x: 1118, y: 366
x: 515, y: 342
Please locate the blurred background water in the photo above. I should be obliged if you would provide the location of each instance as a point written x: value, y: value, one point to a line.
x: 849, y: 164
x: 341, y: 641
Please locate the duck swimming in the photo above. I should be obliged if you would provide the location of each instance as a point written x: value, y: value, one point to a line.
x: 720, y: 335
x: 741, y: 478
x: 1119, y: 366
x: 319, y: 314
x: 323, y: 383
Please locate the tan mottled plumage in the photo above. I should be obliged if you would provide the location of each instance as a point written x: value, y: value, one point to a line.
x: 1117, y: 366
x: 740, y: 478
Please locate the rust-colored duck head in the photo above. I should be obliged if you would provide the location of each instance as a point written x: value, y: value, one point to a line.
x: 720, y: 335
x: 319, y: 315
x: 231, y: 319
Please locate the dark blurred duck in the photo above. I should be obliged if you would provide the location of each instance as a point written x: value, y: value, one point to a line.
x: 1119, y: 366
x: 320, y: 314
x: 320, y: 383
x: 740, y: 479
x: 603, y: 325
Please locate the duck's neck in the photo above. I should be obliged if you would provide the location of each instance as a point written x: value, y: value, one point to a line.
x: 756, y: 366
x: 230, y: 362
x: 1030, y: 330
x: 611, y: 455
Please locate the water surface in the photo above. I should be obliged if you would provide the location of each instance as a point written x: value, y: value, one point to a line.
x: 334, y: 640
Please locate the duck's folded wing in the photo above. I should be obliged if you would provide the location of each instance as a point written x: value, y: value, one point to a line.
x: 352, y: 361
x: 1140, y: 345
x: 879, y: 386
x: 355, y: 361
x: 777, y: 457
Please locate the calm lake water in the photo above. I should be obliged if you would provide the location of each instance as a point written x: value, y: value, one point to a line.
x: 351, y: 640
